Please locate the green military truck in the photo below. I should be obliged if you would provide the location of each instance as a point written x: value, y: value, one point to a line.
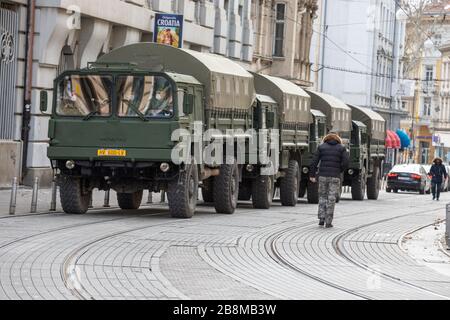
x: 367, y: 153
x: 291, y: 107
x: 113, y: 124
x: 317, y: 133
x: 335, y: 116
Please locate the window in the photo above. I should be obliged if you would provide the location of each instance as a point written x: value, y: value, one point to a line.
x: 429, y: 76
x: 148, y: 96
x: 226, y: 6
x: 426, y: 107
x: 80, y: 95
x: 279, y: 29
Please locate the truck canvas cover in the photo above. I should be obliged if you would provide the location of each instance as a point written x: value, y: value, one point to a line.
x: 227, y: 84
x: 375, y: 123
x: 339, y: 117
x: 294, y: 102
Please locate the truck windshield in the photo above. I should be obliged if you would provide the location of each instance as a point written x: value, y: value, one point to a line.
x: 144, y: 96
x: 84, y: 95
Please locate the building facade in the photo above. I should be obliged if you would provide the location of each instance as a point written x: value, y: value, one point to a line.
x: 41, y: 39
x: 283, y: 35
x: 356, y: 53
x: 428, y: 120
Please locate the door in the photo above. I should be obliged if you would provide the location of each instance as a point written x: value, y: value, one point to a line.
x: 9, y: 38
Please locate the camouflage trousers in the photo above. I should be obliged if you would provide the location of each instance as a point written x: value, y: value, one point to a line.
x: 328, y: 192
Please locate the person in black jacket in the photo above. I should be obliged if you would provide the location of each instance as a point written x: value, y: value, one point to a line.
x: 438, y: 174
x: 330, y: 161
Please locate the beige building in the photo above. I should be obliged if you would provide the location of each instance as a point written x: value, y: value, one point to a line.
x: 428, y: 119
x: 268, y: 36
x: 282, y: 44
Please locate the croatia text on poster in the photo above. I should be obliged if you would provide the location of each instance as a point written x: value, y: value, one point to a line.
x: 169, y: 29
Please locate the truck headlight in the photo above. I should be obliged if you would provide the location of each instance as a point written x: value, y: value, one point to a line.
x: 305, y: 170
x: 165, y: 167
x: 70, y: 164
x: 250, y: 168
x: 351, y: 172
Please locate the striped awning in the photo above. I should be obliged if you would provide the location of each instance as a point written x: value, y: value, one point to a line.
x: 393, y: 140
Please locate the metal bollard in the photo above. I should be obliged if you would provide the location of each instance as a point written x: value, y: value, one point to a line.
x: 150, y: 197
x: 447, y: 233
x: 91, y: 202
x: 163, y: 197
x: 12, y: 204
x: 34, y: 198
x: 107, y: 198
x: 54, y: 193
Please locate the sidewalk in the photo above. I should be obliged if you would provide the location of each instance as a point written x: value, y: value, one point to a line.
x: 24, y: 195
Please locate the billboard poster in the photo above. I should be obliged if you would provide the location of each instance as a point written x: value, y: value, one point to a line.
x: 169, y: 29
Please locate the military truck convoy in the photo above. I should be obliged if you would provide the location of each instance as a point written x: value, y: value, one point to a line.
x: 116, y: 125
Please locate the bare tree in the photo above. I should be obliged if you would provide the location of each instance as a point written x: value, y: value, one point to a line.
x: 423, y: 23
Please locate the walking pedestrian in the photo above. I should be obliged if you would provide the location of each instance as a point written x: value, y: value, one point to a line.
x: 329, y: 162
x: 438, y: 174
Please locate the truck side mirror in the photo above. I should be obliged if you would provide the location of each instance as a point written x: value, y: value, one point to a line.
x: 270, y: 119
x: 43, y: 101
x: 188, y: 104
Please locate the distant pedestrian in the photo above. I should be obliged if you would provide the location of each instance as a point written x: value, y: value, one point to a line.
x: 438, y: 174
x: 330, y: 161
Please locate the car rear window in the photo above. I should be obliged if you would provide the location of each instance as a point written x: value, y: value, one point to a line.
x: 407, y: 169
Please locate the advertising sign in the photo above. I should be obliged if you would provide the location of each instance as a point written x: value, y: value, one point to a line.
x: 169, y: 29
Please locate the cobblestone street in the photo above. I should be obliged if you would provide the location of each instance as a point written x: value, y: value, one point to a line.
x: 254, y: 254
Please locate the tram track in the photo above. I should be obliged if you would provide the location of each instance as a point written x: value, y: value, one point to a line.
x: 71, y: 260
x: 276, y: 255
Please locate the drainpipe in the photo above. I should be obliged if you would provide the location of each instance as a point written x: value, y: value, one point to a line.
x: 28, y: 82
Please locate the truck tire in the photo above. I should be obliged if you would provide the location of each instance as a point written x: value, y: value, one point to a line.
x: 183, y: 193
x: 262, y: 192
x: 313, y: 192
x: 208, y: 190
x: 373, y: 185
x: 290, y: 185
x: 226, y: 189
x: 130, y: 201
x: 303, y: 188
x: 245, y: 192
x: 73, y: 200
x: 359, y: 187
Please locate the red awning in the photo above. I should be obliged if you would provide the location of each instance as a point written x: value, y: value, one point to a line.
x: 389, y: 141
x: 393, y: 140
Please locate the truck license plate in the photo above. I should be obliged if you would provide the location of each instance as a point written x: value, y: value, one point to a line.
x: 111, y: 153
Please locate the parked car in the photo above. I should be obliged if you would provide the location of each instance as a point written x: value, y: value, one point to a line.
x: 409, y: 177
x: 446, y: 185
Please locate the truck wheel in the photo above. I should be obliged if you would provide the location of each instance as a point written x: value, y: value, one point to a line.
x: 208, y: 190
x: 290, y: 185
x: 245, y: 192
x: 73, y: 199
x: 262, y: 192
x: 130, y: 201
x: 313, y: 192
x: 303, y: 188
x: 359, y: 187
x: 373, y: 185
x: 183, y: 193
x: 226, y: 189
